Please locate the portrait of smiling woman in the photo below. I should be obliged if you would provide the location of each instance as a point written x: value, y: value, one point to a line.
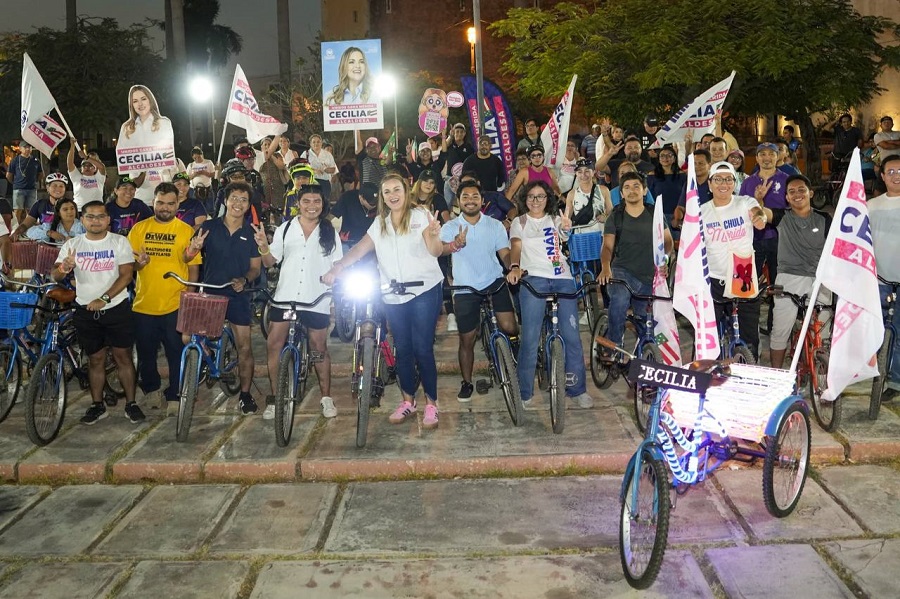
x: 354, y: 85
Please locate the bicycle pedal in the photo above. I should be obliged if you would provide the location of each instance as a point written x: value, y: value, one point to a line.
x: 482, y: 386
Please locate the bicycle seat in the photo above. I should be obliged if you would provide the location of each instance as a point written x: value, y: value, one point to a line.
x: 718, y: 369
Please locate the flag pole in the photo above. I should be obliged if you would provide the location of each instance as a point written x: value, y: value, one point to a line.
x: 68, y: 129
x: 221, y: 143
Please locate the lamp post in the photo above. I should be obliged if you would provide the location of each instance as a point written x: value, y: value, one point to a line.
x: 470, y: 32
x: 386, y: 85
x: 201, y: 90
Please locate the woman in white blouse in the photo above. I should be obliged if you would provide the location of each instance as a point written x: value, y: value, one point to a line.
x: 322, y: 162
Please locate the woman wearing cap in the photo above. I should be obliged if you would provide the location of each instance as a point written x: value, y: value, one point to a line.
x: 565, y: 173
x: 536, y: 171
x: 407, y: 241
x: 124, y: 209
x: 353, y: 79
x: 322, y: 163
x: 190, y: 211
x: 425, y: 196
x: 736, y: 159
x: 588, y: 203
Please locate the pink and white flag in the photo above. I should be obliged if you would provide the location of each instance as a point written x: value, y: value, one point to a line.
x: 847, y: 267
x: 692, y: 296
x: 555, y: 134
x: 663, y: 313
x: 37, y: 127
x: 244, y: 112
x: 698, y: 117
x: 44, y: 134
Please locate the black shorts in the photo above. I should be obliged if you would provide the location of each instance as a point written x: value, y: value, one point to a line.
x: 311, y: 320
x: 108, y: 328
x: 239, y: 311
x: 467, y: 307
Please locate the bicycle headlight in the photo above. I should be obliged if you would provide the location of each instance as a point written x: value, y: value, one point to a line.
x: 359, y: 285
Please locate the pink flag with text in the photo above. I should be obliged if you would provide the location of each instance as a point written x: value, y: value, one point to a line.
x: 663, y: 313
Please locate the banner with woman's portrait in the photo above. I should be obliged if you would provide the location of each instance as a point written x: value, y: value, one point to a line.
x: 146, y: 140
x: 349, y: 98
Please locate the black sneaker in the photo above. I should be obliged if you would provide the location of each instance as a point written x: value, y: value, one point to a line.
x: 133, y: 413
x: 96, y: 412
x: 248, y: 406
x: 889, y: 395
x: 465, y: 392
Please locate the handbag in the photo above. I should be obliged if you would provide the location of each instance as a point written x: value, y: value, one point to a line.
x: 741, y: 280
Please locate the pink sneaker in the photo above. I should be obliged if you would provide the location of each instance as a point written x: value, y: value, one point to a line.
x: 403, y: 410
x: 431, y: 419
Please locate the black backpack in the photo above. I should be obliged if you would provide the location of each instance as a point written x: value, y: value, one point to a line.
x: 618, y: 216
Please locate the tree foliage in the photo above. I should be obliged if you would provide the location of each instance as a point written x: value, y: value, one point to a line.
x: 208, y: 45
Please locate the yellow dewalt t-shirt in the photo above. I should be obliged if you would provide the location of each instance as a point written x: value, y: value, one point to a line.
x: 165, y: 244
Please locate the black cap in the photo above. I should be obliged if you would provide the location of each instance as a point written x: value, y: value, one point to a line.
x: 583, y: 163
x: 126, y: 180
x: 427, y: 174
x: 181, y: 177
x: 651, y: 120
x: 369, y: 191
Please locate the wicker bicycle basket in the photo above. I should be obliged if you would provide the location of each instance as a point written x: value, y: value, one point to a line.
x: 46, y: 258
x: 585, y: 247
x: 23, y: 255
x: 12, y: 318
x: 201, y: 314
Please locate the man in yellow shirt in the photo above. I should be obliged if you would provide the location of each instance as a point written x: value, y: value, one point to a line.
x: 161, y: 244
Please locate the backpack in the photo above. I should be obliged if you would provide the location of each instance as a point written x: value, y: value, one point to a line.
x: 283, y: 236
x: 618, y: 216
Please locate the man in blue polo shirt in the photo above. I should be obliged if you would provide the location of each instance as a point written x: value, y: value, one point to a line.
x: 475, y: 242
x: 23, y: 174
x: 230, y: 255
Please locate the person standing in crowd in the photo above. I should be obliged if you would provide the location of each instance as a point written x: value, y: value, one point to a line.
x: 565, y: 172
x: 532, y: 136
x: 322, y: 163
x: 103, y: 264
x: 356, y: 209
x: 588, y: 203
x: 787, y: 133
x: 368, y: 160
x: 42, y: 212
x: 274, y: 175
x: 536, y: 248
x: 307, y: 246
x: 887, y: 140
x: 615, y: 194
x: 234, y: 171
x: 589, y: 144
x: 23, y: 174
x: 647, y: 137
x: 536, y: 171
x: 718, y: 149
x: 736, y: 159
x: 200, y: 170
x: 610, y: 135
x: 667, y: 181
x: 407, y: 242
x: 425, y: 196
x: 190, y: 211
x: 301, y: 176
x: 632, y: 147
x: 87, y: 184
x: 456, y: 149
x: 783, y: 161
x: 487, y: 166
x: 161, y: 244
x: 288, y: 155
x: 701, y: 169
x: 124, y: 210
x: 230, y: 255
x: 426, y: 160
x: 247, y: 156
x: 476, y: 241
x: 846, y: 139
x: 522, y: 162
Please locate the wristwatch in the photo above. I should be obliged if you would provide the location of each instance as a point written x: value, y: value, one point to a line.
x: 105, y: 297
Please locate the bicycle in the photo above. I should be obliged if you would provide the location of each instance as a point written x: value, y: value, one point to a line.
x: 714, y: 412
x: 605, y: 372
x: 730, y: 341
x: 812, y: 369
x: 886, y: 352
x: 347, y: 307
x: 498, y: 351
x: 551, y: 366
x: 584, y: 249
x: 210, y: 352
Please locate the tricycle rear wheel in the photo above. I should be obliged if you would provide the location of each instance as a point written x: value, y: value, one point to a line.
x: 787, y: 462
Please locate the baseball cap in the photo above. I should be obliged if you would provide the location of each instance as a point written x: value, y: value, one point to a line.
x: 424, y: 146
x: 126, y: 180
x: 428, y: 175
x: 181, y: 177
x: 373, y: 140
x: 766, y: 145
x: 459, y: 126
x: 369, y: 191
x: 651, y: 120
x: 584, y: 163
x: 723, y: 167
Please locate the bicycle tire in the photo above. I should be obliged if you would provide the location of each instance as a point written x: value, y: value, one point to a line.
x: 787, y: 458
x: 11, y: 368
x: 880, y: 382
x: 113, y: 385
x: 265, y: 320
x: 600, y: 372
x: 743, y: 355
x: 643, y: 396
x: 543, y: 378
x: 484, y: 334
x: 591, y: 302
x: 229, y: 375
x: 285, y: 398
x: 642, y: 556
x: 187, y: 394
x: 364, y: 394
x: 45, y: 400
x: 509, y: 381
x: 827, y: 413
x: 303, y: 367
x: 345, y: 319
x: 557, y: 386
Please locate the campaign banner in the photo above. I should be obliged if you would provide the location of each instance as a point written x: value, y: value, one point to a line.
x: 698, y: 117
x: 37, y: 101
x: 44, y: 135
x: 666, y: 331
x: 349, y: 98
x: 554, y: 135
x: 146, y: 140
x: 498, y: 119
x: 243, y: 111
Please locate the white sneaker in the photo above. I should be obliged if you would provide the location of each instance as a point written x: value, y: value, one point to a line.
x: 328, y: 409
x: 269, y: 412
x: 451, y: 323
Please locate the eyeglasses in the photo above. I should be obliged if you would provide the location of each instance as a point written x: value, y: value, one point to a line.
x: 239, y: 199
x: 723, y: 180
x: 891, y: 172
x: 534, y: 198
x: 667, y: 155
x: 95, y: 216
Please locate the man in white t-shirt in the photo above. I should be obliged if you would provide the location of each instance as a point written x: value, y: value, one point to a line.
x: 887, y: 140
x: 884, y: 219
x: 200, y: 170
x: 87, y: 184
x: 728, y: 222
x: 103, y: 264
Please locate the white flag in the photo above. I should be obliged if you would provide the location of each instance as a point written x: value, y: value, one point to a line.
x: 37, y: 100
x: 692, y: 296
x: 243, y: 111
x: 666, y: 325
x: 698, y: 117
x: 555, y: 134
x: 44, y: 134
x: 847, y: 267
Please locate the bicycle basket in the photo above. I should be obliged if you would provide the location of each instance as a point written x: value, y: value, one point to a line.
x: 46, y: 258
x: 585, y: 247
x: 201, y: 314
x: 16, y: 318
x: 23, y: 255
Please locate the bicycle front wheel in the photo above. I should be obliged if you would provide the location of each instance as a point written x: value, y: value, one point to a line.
x: 364, y: 395
x: 827, y: 413
x: 543, y: 377
x: 787, y: 463
x: 591, y: 303
x: 879, y: 383
x: 644, y: 522
x: 11, y: 368
x: 643, y: 395
x: 557, y: 386
x: 285, y: 398
x: 190, y: 381
x: 509, y: 381
x: 45, y: 400
x: 229, y: 379
x: 345, y: 319
x: 600, y: 372
x: 743, y: 355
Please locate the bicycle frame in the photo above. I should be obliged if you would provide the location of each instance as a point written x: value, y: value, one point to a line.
x: 889, y: 326
x: 210, y: 351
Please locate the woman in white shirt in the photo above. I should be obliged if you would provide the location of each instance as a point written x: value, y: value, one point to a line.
x: 200, y: 169
x: 536, y: 248
x: 322, y: 162
x: 407, y: 243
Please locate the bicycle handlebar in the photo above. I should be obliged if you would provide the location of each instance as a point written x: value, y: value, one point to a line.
x: 172, y: 275
x: 57, y: 310
x: 556, y: 294
x: 5, y: 279
x: 802, y: 301
x: 889, y: 283
x: 489, y: 291
x: 638, y: 295
x: 293, y: 305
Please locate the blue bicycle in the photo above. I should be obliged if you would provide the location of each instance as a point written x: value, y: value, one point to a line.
x: 886, y: 353
x: 730, y: 340
x: 584, y: 251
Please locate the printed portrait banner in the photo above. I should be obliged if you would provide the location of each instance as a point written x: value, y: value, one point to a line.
x: 44, y: 134
x: 555, y: 134
x: 698, y: 117
x: 350, y: 100
x: 243, y: 111
x: 146, y: 141
x: 498, y: 119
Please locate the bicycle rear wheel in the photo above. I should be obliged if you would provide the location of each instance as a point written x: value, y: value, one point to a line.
x: 600, y: 372
x: 364, y: 395
x: 786, y: 463
x: 285, y: 398
x: 644, y: 522
x: 265, y: 320
x: 879, y: 383
x: 11, y: 370
x: 557, y: 386
x: 45, y: 400
x: 190, y: 381
x: 827, y: 413
x: 743, y: 355
x: 644, y: 396
x: 591, y: 303
x: 229, y: 378
x: 509, y: 381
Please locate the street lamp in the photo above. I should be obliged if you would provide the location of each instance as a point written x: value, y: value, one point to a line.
x: 201, y: 89
x: 472, y: 39
x: 386, y: 85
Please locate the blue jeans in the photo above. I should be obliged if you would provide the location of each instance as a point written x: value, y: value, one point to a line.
x: 412, y: 325
x: 619, y: 299
x: 894, y: 374
x: 532, y: 320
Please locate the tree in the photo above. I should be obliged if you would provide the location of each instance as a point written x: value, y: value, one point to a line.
x: 792, y: 57
x: 209, y: 46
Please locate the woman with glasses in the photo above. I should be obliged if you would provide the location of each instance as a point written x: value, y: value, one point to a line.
x: 536, y: 171
x: 667, y: 180
x: 736, y: 159
x: 536, y: 249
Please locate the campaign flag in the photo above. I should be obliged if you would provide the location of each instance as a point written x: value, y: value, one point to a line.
x: 351, y: 99
x: 244, y: 112
x: 44, y: 134
x: 698, y: 117
x: 692, y: 296
x: 36, y: 97
x: 555, y: 134
x: 847, y: 268
x: 387, y: 152
x: 498, y: 119
x: 666, y: 326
